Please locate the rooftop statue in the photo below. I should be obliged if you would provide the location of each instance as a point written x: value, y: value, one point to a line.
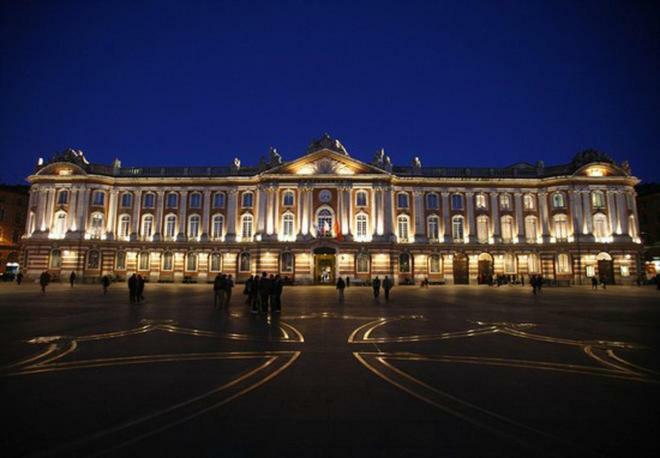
x: 327, y: 142
x: 590, y: 155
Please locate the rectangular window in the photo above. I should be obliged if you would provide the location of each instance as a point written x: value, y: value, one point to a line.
x: 98, y: 198
x: 167, y: 261
x: 149, y: 201
x: 457, y: 202
x: 361, y: 199
x: 126, y: 200
x: 434, y: 264
x: 625, y: 271
x: 120, y: 263
x: 172, y: 200
x: 590, y: 271
x: 219, y: 200
x: 563, y: 264
x: 247, y: 200
x: 402, y: 200
x: 363, y: 264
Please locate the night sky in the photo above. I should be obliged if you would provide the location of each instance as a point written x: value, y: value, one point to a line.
x: 458, y: 83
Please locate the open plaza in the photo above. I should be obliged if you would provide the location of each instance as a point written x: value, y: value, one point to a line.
x: 441, y: 371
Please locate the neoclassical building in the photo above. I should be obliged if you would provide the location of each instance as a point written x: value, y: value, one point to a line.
x: 327, y: 214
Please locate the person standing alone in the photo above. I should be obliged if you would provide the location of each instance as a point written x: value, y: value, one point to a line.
x: 72, y: 278
x: 132, y: 288
x: 44, y: 279
x: 340, y: 289
x: 375, y: 284
x: 387, y: 286
x: 218, y: 291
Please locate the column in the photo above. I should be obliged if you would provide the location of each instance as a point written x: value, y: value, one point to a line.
x: 586, y: 205
x: 300, y: 213
x: 40, y: 197
x: 31, y: 200
x: 135, y: 219
x: 622, y: 224
x: 270, y: 195
x: 495, y: 217
x: 160, y: 198
x: 50, y: 208
x: 231, y: 215
x: 634, y: 210
x: 576, y: 210
x: 183, y: 206
x: 262, y: 209
x: 520, y: 223
x: 73, y: 202
x: 206, y: 217
x: 472, y: 235
x: 340, y: 209
x: 304, y: 212
x: 348, y: 209
x: 446, y: 224
x: 543, y: 208
x: 276, y: 211
x: 420, y: 232
x: 388, y: 231
x: 112, y: 214
x: 83, y: 206
x: 377, y: 211
x: 310, y: 211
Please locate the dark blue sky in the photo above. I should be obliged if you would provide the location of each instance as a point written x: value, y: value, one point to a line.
x: 458, y: 83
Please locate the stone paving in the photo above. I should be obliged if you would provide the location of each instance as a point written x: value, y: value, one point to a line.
x: 444, y: 371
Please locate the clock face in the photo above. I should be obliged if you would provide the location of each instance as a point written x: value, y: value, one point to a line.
x: 325, y: 196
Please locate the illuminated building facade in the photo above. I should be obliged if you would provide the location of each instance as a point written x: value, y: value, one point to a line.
x: 327, y: 214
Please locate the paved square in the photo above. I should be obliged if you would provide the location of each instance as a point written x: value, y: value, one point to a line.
x: 443, y: 371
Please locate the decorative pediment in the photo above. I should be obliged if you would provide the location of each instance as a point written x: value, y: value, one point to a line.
x: 325, y: 162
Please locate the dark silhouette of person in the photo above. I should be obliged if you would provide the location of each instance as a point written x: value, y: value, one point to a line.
x: 44, y: 279
x: 348, y: 281
x: 278, y: 287
x: 132, y: 288
x: 19, y: 278
x: 375, y: 284
x: 229, y: 284
x: 218, y: 291
x: 387, y: 286
x: 72, y: 278
x: 340, y: 289
x: 105, y: 281
x: 264, y: 291
x: 594, y: 282
x: 140, y: 288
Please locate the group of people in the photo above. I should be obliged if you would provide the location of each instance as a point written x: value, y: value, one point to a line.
x: 222, y: 286
x: 595, y: 281
x: 136, y: 288
x: 536, y: 282
x: 264, y: 293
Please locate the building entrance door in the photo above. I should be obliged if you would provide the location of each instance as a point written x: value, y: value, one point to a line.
x: 325, y: 261
x: 460, y: 266
x: 606, y: 272
x: 485, y: 271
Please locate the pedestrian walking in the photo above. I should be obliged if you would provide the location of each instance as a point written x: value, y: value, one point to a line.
x: 105, y: 282
x: 603, y: 282
x: 19, y: 278
x: 132, y: 288
x: 72, y: 278
x: 348, y: 281
x: 140, y: 288
x: 264, y: 291
x: 252, y: 288
x: 276, y: 295
x: 594, y: 282
x: 44, y: 279
x: 341, y: 284
x: 387, y: 286
x: 539, y: 283
x: 218, y: 291
x: 375, y: 284
x: 229, y: 284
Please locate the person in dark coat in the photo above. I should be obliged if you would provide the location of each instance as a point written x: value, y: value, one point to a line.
x: 594, y: 282
x: 19, y: 278
x: 229, y: 284
x: 218, y: 291
x: 340, y: 289
x: 264, y: 291
x: 105, y: 281
x: 44, y: 279
x: 279, y: 289
x: 387, y: 286
x: 72, y: 278
x: 132, y: 288
x: 375, y: 284
x: 252, y: 290
x: 139, y: 294
x: 348, y: 281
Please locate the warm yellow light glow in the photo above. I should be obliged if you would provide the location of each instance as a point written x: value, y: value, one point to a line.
x: 64, y: 172
x: 595, y: 171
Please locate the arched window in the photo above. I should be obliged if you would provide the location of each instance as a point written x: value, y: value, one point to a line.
x: 124, y: 227
x: 286, y: 262
x: 143, y: 261
x: 434, y: 264
x: 63, y: 197
x: 481, y: 201
x: 433, y: 227
x: 362, y: 263
x: 172, y: 200
x: 482, y: 229
x: 98, y: 198
x: 193, y: 226
x: 509, y: 264
x: 403, y: 223
x: 529, y: 202
x: 219, y: 200
x: 244, y: 262
x: 457, y: 202
x: 191, y: 262
x: 598, y: 199
x: 93, y: 259
x: 632, y: 226
x: 287, y: 226
x: 120, y: 260
x: 324, y: 222
x: 59, y: 224
x: 195, y: 200
x: 600, y: 226
x: 168, y: 260
x: 246, y: 226
x: 404, y: 263
x: 563, y: 264
x: 215, y: 262
x: 149, y: 200
x: 170, y: 226
x: 457, y: 232
x: 361, y: 198
x: 531, y: 229
x: 432, y: 201
x: 560, y: 222
x: 217, y: 226
x: 55, y: 259
x: 505, y: 202
x: 288, y: 199
x: 126, y: 200
x: 402, y: 200
x: 558, y: 200
x: 96, y: 225
x: 147, y: 226
x: 247, y: 200
x: 533, y: 263
x: 507, y: 228
x: 361, y: 227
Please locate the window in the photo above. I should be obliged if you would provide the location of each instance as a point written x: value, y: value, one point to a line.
x: 434, y: 264
x: 59, y: 225
x: 482, y: 229
x: 247, y: 200
x: 361, y: 198
x: 126, y: 200
x: 600, y: 226
x: 507, y: 228
x: 480, y: 201
x: 531, y: 229
x: 215, y: 262
x: 143, y: 261
x: 288, y: 199
x: 193, y: 226
x: 147, y: 226
x: 324, y: 222
x: 286, y: 262
x: 149, y: 200
x: 625, y: 270
x: 598, y: 199
x: 505, y: 202
x: 168, y: 259
x: 244, y: 262
x: 219, y: 200
x: 561, y: 227
x: 563, y: 264
x: 361, y: 226
x: 590, y: 271
x: 457, y: 202
x: 96, y: 225
x: 120, y: 260
x: 528, y: 202
x: 217, y: 226
x: 170, y: 226
x: 124, y: 228
x: 195, y: 200
x: 191, y: 262
x: 246, y: 226
x: 93, y: 259
x: 402, y: 223
x: 457, y: 232
x: 432, y: 202
x: 509, y: 264
x: 98, y: 198
x: 287, y: 226
x: 63, y: 197
x: 533, y: 263
x: 402, y: 200
x: 558, y: 200
x: 55, y: 259
x: 404, y: 263
x: 172, y: 200
x: 433, y: 227
x: 362, y: 262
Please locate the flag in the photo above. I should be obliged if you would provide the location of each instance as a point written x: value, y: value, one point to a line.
x: 338, y: 234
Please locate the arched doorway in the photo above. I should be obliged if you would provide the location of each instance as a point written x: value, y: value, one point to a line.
x: 485, y: 268
x: 605, y: 268
x: 460, y: 267
x: 325, y: 262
